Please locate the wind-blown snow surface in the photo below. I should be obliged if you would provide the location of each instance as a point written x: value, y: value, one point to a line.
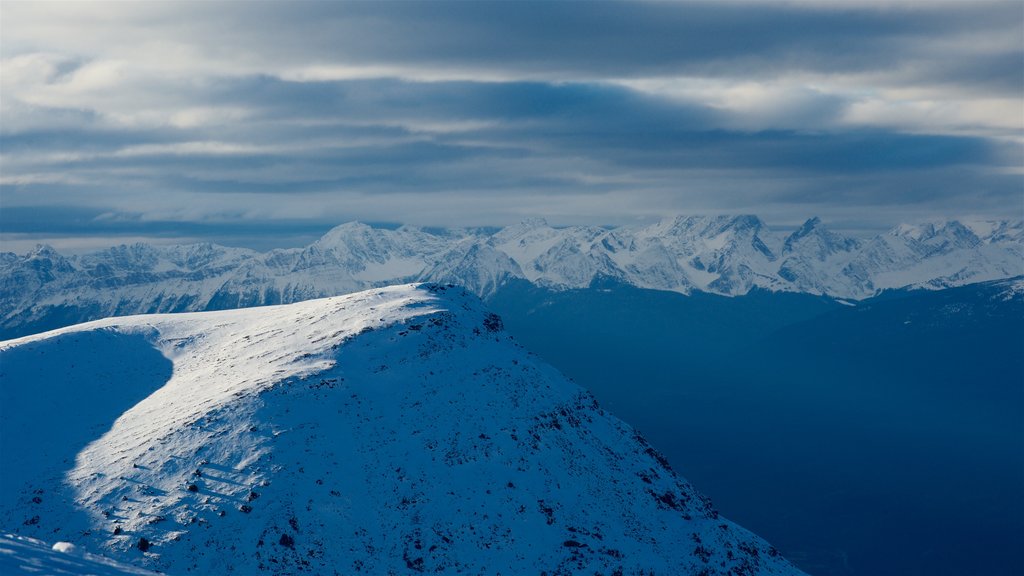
x: 398, y: 430
x: 20, y: 555
x: 728, y: 255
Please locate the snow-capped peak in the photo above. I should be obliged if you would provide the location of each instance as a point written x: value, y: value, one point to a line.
x: 397, y: 430
x: 805, y: 229
x: 343, y: 233
x: 924, y: 232
x: 723, y: 254
x: 43, y: 251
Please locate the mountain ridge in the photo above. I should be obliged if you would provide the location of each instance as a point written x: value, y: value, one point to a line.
x: 726, y: 255
x: 398, y: 430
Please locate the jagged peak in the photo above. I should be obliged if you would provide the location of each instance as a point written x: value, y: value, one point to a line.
x: 708, y: 224
x: 43, y: 251
x: 346, y: 234
x: 523, y: 227
x: 678, y: 221
x: 809, y: 225
x: 347, y: 228
x: 806, y: 229
x: 409, y: 229
x: 521, y: 231
x: 995, y: 230
x: 747, y: 221
x: 817, y: 241
x: 133, y: 248
x: 931, y: 228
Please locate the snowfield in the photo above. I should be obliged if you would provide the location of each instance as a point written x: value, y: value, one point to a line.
x: 392, y: 431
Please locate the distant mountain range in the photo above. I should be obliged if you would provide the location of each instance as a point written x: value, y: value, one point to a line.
x: 727, y: 255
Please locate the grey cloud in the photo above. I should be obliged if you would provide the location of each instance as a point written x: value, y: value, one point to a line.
x: 560, y: 40
x: 610, y: 127
x: 547, y: 124
x: 633, y: 39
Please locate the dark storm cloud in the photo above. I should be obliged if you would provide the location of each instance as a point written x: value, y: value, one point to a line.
x: 387, y: 100
x: 520, y: 122
x: 636, y: 39
x: 82, y: 139
x: 517, y: 120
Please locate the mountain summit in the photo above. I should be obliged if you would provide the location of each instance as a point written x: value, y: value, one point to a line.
x: 394, y: 431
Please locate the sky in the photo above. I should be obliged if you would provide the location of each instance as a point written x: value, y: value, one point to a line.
x: 266, y: 123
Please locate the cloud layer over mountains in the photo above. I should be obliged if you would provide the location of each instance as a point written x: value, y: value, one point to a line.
x: 214, y: 119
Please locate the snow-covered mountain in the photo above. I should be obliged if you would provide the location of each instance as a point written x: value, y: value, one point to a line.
x: 728, y: 255
x: 393, y: 431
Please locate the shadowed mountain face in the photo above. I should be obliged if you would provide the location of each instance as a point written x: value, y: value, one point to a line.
x: 727, y: 255
x: 395, y: 431
x: 78, y: 413
x: 889, y: 433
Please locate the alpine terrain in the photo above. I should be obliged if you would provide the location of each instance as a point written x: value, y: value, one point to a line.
x: 726, y: 255
x: 392, y: 431
x: 21, y: 555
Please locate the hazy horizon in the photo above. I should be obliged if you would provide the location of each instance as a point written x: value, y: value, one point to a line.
x: 299, y: 235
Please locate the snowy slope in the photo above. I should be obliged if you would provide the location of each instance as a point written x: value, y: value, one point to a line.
x: 21, y: 556
x: 398, y: 430
x: 728, y: 255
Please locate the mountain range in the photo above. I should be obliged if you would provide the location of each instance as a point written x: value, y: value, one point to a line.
x: 726, y: 255
x: 392, y: 431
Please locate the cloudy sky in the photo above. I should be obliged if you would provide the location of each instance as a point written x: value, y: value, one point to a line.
x: 266, y: 123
